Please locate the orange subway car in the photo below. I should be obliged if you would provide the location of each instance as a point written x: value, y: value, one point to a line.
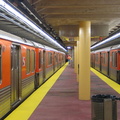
x: 24, y: 66
x: 107, y: 61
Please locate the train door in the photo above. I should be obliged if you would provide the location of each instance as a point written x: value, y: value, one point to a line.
x: 15, y: 74
x: 44, y: 64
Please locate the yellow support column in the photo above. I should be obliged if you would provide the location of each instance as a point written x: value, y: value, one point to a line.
x: 77, y: 60
x: 76, y: 56
x: 75, y: 52
x: 84, y: 60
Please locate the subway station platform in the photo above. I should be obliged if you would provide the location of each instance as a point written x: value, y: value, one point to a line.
x: 57, y: 99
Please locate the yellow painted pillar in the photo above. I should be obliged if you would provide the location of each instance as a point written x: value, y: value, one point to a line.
x: 77, y: 60
x: 84, y: 60
x: 75, y: 55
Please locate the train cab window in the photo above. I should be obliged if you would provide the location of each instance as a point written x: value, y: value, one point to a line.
x: 0, y: 66
x: 114, y: 59
x: 32, y: 62
x: 28, y: 61
x: 49, y: 58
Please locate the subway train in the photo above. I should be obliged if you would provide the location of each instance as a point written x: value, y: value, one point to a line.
x: 24, y: 66
x: 107, y: 61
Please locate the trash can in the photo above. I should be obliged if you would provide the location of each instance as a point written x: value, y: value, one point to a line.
x: 104, y: 107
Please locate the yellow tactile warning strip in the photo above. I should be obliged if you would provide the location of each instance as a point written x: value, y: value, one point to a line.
x: 111, y: 83
x: 24, y: 111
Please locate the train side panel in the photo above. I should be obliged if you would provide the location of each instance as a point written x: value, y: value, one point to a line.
x: 97, y: 61
x: 93, y: 60
x: 49, y: 64
x: 105, y: 62
x: 28, y: 70
x: 114, y: 71
x: 63, y: 59
x: 5, y: 75
x: 24, y: 66
x: 39, y: 67
x: 59, y: 60
x: 55, y: 61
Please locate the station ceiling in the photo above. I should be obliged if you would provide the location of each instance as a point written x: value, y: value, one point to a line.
x: 70, y: 12
x: 62, y: 15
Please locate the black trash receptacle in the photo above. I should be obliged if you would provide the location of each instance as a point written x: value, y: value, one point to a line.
x: 104, y: 107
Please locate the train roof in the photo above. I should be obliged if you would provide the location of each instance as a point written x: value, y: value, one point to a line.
x: 49, y: 48
x: 107, y: 48
x: 116, y: 46
x: 104, y: 49
x: 38, y: 45
x: 111, y: 40
x: 14, y: 38
x: 17, y: 39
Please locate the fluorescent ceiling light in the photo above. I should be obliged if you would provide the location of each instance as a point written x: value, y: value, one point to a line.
x: 29, y: 23
x: 107, y: 40
x: 68, y: 47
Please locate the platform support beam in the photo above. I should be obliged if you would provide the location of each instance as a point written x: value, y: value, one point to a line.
x: 84, y: 60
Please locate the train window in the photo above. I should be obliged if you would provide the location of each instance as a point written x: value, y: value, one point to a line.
x: 40, y: 59
x: 62, y: 57
x: 96, y: 57
x: 49, y: 58
x: 114, y: 59
x: 0, y: 66
x: 103, y: 58
x: 27, y: 60
x: 32, y: 62
x: 56, y: 57
x: 59, y: 57
x: 92, y: 57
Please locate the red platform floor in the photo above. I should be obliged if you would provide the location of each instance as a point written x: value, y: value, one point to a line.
x: 62, y: 103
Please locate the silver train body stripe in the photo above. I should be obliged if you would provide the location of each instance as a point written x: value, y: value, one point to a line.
x: 40, y: 77
x: 27, y: 86
x: 5, y: 100
x: 49, y: 72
